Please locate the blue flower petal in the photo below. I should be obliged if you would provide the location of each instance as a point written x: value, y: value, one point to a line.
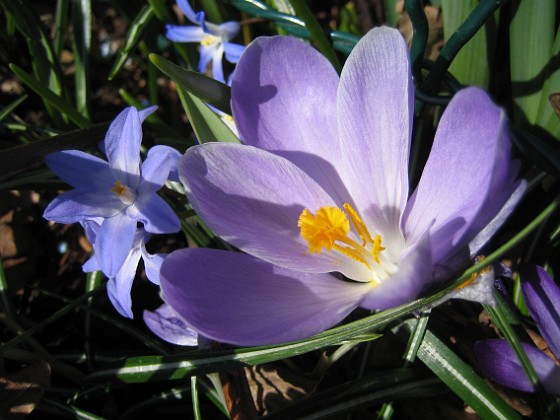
x: 155, y: 214
x: 233, y: 51
x: 81, y: 170
x: 77, y: 205
x: 114, y: 242
x: 184, y: 33
x: 168, y: 325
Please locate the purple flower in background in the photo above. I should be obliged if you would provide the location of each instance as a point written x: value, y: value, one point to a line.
x: 119, y: 285
x: 497, y: 359
x: 117, y: 194
x: 318, y: 199
x: 214, y: 39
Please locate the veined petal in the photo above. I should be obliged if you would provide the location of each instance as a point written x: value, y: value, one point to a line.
x: 468, y: 176
x: 77, y: 205
x: 81, y: 170
x: 239, y: 299
x: 159, y: 163
x: 375, y: 109
x: 177, y: 33
x: 114, y: 242
x: 233, y: 51
x: 501, y: 365
x: 156, y: 215
x: 253, y: 199
x: 413, y: 275
x: 122, y: 145
x: 289, y: 110
x: 119, y: 287
x: 542, y: 296
x: 168, y: 325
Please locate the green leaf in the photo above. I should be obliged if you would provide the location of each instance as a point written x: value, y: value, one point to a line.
x: 81, y: 46
x: 133, y: 37
x: 7, y: 110
x: 215, y: 93
x: 317, y: 33
x: 205, y: 122
x: 51, y: 97
x: 460, y: 377
x: 531, y: 39
x: 470, y: 65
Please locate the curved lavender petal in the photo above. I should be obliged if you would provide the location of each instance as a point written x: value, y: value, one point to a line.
x: 156, y: 169
x: 542, y: 296
x: 78, y: 205
x: 188, y: 11
x: 415, y: 270
x: 498, y: 361
x: 246, y: 301
x: 233, y: 51
x: 122, y: 145
x: 290, y: 110
x: 253, y: 199
x: 177, y: 33
x: 375, y: 122
x: 467, y: 177
x: 156, y: 215
x: 81, y: 170
x: 114, y: 242
x: 119, y: 287
x: 168, y: 325
x: 152, y: 265
x: 485, y: 234
x: 146, y: 112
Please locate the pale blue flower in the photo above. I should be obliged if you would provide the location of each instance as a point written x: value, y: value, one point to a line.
x: 214, y: 39
x: 119, y: 193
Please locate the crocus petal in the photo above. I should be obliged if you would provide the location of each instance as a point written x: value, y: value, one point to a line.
x: 253, y: 199
x: 542, y: 296
x: 159, y: 163
x: 375, y: 109
x: 122, y: 145
x: 500, y: 364
x: 81, y: 170
x: 414, y: 272
x: 119, y: 287
x: 233, y: 51
x: 114, y: 242
x: 289, y: 110
x: 467, y: 177
x: 188, y: 11
x: 77, y: 205
x: 168, y: 325
x: 246, y: 301
x: 184, y: 33
x: 156, y: 215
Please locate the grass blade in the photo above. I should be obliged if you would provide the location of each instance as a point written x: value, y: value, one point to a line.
x: 81, y: 46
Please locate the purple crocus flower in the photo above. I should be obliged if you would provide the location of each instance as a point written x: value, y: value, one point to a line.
x: 497, y: 359
x: 118, y: 193
x: 168, y: 325
x: 318, y: 199
x: 119, y: 285
x: 214, y: 39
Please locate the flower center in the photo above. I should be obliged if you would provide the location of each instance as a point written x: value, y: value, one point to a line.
x: 125, y: 194
x: 209, y: 40
x: 330, y: 227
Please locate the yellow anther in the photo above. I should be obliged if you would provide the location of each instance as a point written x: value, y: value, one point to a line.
x: 119, y: 189
x: 321, y: 230
x: 358, y: 224
x: 209, y: 40
x: 376, y: 248
x: 329, y: 228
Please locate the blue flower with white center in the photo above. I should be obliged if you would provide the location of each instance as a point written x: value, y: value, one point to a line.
x: 214, y: 39
x: 118, y: 193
